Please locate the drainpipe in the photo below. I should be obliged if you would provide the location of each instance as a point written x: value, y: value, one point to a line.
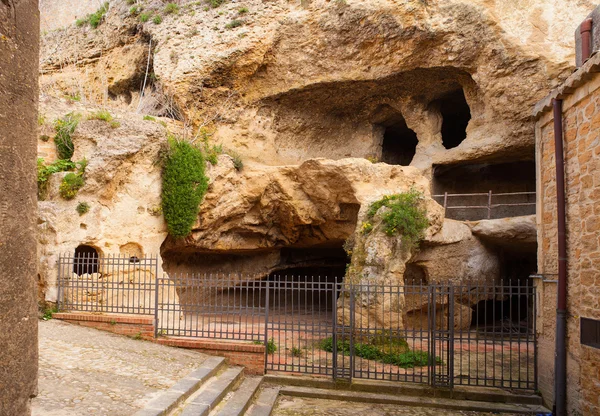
x: 586, y: 39
x: 560, y: 363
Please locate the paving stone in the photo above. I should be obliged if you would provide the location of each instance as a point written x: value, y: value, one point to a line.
x: 78, y: 363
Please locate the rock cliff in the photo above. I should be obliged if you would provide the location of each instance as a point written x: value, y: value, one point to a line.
x: 330, y: 104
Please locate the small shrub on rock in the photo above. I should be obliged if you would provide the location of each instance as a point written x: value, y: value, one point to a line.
x: 45, y: 171
x: 171, y: 8
x: 157, y: 20
x: 405, y: 216
x: 82, y: 208
x: 70, y: 185
x: 234, y: 23
x: 144, y: 17
x: 102, y: 115
x: 184, y: 186
x: 65, y: 127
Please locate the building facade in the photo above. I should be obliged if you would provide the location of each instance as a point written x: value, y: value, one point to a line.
x: 580, y: 95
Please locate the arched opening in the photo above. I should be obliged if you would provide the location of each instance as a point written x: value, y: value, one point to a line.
x: 456, y: 115
x: 85, y: 260
x: 415, y: 275
x: 399, y: 143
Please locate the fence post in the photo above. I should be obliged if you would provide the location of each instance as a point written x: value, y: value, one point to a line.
x: 58, y: 279
x: 156, y: 286
x: 432, y: 333
x: 489, y: 204
x: 445, y: 202
x: 351, y: 334
x: 334, y: 328
x: 266, y: 343
x: 451, y: 335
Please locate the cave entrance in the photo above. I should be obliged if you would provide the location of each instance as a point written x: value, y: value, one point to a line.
x: 399, y: 143
x: 456, y: 115
x: 85, y: 260
x: 511, y: 308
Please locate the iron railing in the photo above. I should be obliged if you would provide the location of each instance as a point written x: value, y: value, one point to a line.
x: 486, y: 205
x: 442, y: 334
x: 111, y: 283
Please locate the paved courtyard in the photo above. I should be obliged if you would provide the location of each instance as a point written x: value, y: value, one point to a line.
x: 300, y: 406
x: 84, y: 371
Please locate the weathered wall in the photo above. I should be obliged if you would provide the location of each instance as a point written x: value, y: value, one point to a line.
x: 582, y: 149
x: 61, y: 13
x: 19, y: 40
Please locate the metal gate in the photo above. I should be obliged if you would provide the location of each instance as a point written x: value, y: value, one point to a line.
x: 441, y: 335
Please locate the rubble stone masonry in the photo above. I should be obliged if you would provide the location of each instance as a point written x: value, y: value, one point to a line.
x: 581, y: 119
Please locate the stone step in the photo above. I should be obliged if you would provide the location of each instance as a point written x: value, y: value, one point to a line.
x: 240, y: 399
x: 263, y: 406
x: 483, y: 394
x: 184, y: 388
x: 212, y: 393
x: 449, y: 404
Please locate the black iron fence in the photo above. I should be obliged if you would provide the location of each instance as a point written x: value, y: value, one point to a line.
x: 439, y: 334
x: 110, y: 284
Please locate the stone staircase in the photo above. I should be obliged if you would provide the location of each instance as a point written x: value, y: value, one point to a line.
x: 217, y: 389
x: 214, y: 389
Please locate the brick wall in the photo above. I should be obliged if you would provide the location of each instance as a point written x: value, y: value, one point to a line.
x: 581, y: 119
x: 133, y: 326
x: 250, y: 356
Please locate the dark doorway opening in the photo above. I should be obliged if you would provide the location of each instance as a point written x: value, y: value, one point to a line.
x: 399, y: 143
x: 85, y: 260
x: 456, y: 115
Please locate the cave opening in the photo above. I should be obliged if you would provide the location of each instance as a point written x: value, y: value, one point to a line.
x: 517, y: 179
x: 399, y: 144
x: 511, y: 308
x: 456, y: 115
x: 85, y: 260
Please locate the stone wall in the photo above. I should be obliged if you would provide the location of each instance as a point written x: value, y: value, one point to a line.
x: 19, y: 48
x: 581, y: 119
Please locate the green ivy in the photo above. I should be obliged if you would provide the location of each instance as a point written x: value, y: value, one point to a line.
x: 406, y: 215
x: 184, y: 186
x: 65, y: 127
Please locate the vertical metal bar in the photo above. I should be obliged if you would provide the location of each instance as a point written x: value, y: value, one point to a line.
x: 334, y: 329
x: 351, y: 334
x: 60, y: 272
x: 445, y: 203
x: 432, y: 337
x: 266, y: 340
x: 489, y: 204
x: 451, y: 335
x: 156, y: 288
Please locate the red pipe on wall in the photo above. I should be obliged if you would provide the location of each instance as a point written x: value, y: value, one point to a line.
x: 586, y: 39
x: 560, y: 359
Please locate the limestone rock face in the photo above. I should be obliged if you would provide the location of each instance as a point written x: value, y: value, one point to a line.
x: 325, y: 79
x: 122, y: 187
x: 264, y: 209
x: 516, y: 232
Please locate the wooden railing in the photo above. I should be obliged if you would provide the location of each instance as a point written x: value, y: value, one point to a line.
x: 445, y: 200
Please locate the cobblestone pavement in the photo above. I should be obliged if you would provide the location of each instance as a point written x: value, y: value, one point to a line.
x: 84, y: 371
x: 300, y: 406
